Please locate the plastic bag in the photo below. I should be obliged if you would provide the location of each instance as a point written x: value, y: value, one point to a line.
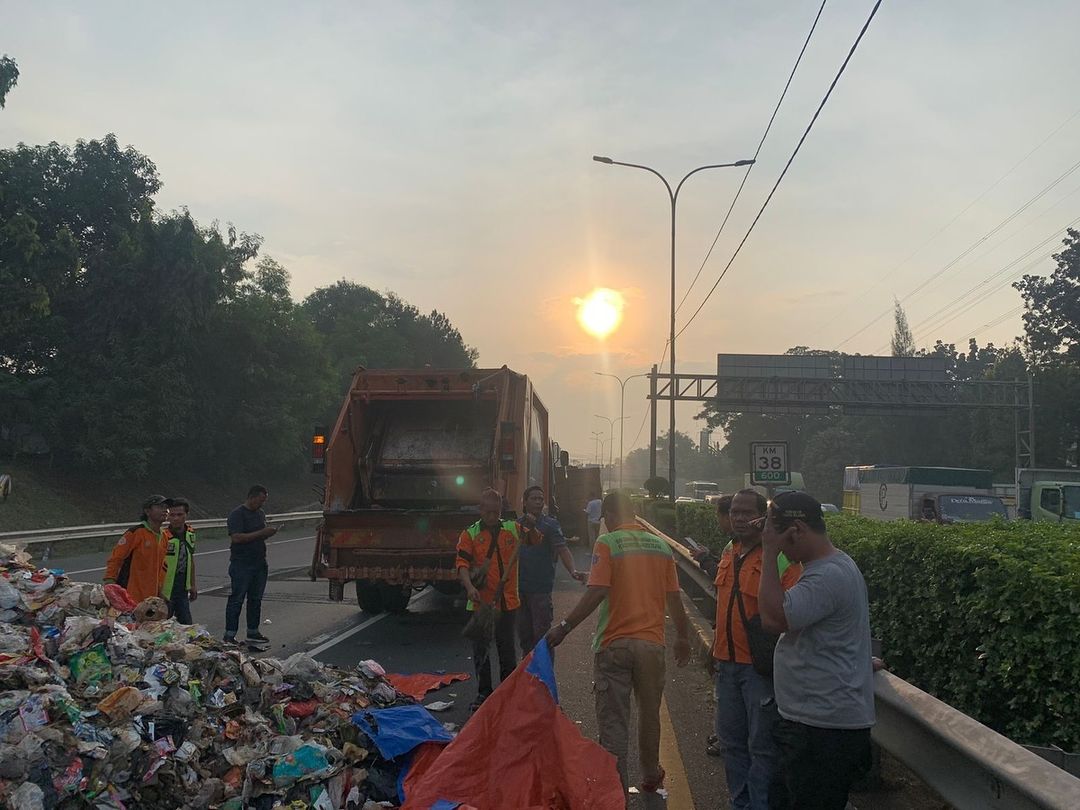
x: 9, y: 597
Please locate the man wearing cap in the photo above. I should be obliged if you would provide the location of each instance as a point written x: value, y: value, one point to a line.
x: 823, y: 669
x: 179, y: 587
x: 137, y: 561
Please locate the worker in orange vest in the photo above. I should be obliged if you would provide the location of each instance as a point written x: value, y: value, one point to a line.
x: 137, y: 561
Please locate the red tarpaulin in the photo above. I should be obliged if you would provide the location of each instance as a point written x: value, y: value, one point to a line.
x: 518, y: 752
x: 418, y: 685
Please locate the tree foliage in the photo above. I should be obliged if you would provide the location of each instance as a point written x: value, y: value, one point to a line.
x: 9, y: 77
x: 134, y: 341
x: 903, y: 342
x: 1052, y: 306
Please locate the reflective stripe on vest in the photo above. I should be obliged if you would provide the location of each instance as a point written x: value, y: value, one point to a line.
x: 172, y: 557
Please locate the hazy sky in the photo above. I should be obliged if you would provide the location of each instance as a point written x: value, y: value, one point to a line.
x: 442, y: 151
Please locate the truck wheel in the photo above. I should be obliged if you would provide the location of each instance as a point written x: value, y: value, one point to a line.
x: 369, y: 596
x: 395, y: 599
x: 448, y: 587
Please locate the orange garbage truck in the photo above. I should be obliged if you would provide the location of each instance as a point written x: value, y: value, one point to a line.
x: 404, y: 467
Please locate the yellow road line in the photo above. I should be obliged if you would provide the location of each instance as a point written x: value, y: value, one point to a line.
x: 678, y: 786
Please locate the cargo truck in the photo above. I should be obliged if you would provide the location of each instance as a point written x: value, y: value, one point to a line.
x: 574, y: 488
x: 1048, y: 495
x: 938, y: 494
x: 404, y: 467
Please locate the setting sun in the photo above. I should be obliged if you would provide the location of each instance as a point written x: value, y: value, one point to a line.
x: 600, y: 312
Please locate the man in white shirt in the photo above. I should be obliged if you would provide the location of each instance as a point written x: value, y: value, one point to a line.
x: 592, y: 511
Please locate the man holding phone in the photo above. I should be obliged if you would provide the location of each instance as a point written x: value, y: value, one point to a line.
x: 248, y: 569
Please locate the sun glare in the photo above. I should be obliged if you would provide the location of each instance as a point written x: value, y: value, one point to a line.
x: 600, y: 312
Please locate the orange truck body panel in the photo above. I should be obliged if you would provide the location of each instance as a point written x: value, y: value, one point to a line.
x: 406, y: 461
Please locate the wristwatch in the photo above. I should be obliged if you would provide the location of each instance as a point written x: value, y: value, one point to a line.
x: 565, y: 625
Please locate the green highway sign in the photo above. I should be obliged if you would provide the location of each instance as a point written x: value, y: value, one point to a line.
x: 769, y: 463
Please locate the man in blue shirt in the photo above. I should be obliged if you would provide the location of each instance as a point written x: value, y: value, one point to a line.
x: 536, y: 570
x: 248, y: 570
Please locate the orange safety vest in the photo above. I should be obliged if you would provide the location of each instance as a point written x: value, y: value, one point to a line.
x: 147, y: 553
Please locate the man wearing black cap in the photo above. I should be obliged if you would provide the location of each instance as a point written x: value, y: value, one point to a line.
x: 823, y: 673
x: 137, y: 561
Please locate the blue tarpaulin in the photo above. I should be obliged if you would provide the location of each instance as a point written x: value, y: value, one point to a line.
x: 399, y: 729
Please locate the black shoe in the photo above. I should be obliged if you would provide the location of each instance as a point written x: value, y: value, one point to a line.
x: 229, y: 638
x: 257, y: 641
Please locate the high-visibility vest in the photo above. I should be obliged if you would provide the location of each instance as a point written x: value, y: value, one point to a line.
x: 172, y: 556
x: 782, y: 562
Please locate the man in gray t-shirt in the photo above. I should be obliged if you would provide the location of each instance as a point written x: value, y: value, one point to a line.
x: 822, y: 668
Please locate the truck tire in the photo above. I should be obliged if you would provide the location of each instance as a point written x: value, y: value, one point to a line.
x: 369, y: 596
x: 448, y: 587
x: 395, y: 599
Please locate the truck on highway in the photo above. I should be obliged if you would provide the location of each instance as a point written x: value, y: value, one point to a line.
x: 701, y: 490
x: 1048, y: 495
x: 574, y: 488
x: 404, y: 467
x: 939, y: 494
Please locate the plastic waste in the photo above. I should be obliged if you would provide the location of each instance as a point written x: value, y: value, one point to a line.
x: 108, y: 704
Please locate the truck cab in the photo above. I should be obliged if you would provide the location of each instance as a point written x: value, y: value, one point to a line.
x: 1048, y: 495
x: 1055, y: 501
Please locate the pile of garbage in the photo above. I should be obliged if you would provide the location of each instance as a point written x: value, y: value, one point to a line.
x: 109, y: 704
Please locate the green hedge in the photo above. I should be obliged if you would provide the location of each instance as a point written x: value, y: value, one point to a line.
x: 658, y: 511
x: 698, y: 520
x: 984, y: 616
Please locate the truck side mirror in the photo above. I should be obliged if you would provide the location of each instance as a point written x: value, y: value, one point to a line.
x: 564, y: 458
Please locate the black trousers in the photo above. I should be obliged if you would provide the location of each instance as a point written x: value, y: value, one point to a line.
x: 504, y: 646
x: 817, y: 766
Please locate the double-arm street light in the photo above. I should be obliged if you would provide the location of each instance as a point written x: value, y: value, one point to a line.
x: 622, y: 403
x: 598, y: 448
x: 611, y: 435
x: 674, y: 197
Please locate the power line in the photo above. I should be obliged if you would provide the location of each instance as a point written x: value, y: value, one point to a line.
x: 1000, y: 319
x: 964, y: 254
x: 978, y: 290
x: 757, y: 152
x: 776, y: 185
x: 968, y: 207
x: 981, y: 295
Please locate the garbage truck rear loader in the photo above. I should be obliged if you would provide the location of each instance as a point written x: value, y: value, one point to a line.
x: 405, y: 464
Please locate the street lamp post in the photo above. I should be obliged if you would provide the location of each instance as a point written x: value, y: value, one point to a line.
x: 622, y: 403
x: 674, y: 197
x: 611, y: 434
x: 611, y: 438
x: 596, y: 434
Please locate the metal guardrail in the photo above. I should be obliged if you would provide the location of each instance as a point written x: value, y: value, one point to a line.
x: 970, y: 765
x: 38, y: 537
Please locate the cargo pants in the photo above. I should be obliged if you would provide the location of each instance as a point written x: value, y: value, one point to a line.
x: 630, y: 666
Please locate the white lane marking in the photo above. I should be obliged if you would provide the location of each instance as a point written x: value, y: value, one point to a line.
x: 326, y: 645
x: 197, y: 554
x: 352, y: 631
x: 271, y: 574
